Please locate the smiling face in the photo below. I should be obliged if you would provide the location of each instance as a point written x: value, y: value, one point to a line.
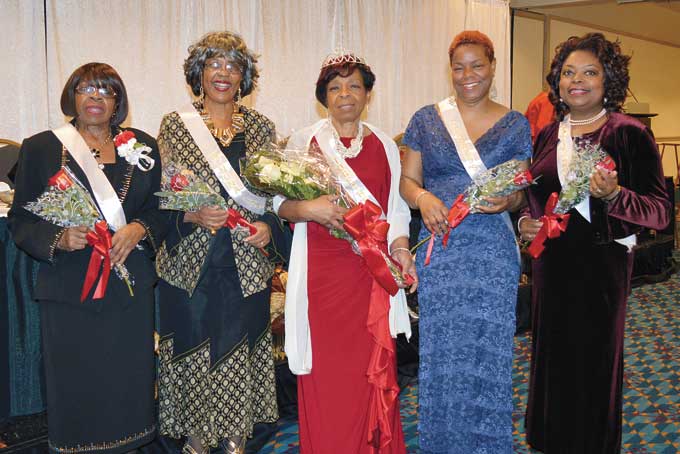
x: 346, y: 97
x: 471, y: 72
x: 221, y: 80
x: 93, y: 109
x: 582, y: 83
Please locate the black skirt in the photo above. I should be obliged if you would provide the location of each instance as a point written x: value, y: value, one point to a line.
x: 216, y: 377
x: 99, y: 370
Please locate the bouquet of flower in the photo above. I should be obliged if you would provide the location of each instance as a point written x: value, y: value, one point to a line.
x: 296, y: 175
x: 67, y: 203
x: 306, y: 175
x: 499, y: 181
x: 181, y: 190
x: 586, y: 159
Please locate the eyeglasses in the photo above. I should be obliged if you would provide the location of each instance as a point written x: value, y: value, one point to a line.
x: 89, y: 90
x: 231, y: 68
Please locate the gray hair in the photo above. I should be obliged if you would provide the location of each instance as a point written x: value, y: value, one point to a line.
x: 221, y: 44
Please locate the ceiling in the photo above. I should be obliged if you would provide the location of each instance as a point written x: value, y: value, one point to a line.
x: 657, y: 20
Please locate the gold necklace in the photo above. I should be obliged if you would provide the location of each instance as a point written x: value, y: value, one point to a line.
x: 225, y: 135
x: 96, y: 152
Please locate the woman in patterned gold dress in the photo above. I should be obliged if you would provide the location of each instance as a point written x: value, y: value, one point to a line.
x: 217, y: 371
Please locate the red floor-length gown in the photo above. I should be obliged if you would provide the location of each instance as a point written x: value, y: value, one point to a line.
x: 334, y: 400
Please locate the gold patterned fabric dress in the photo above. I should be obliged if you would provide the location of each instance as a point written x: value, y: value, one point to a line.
x: 216, y: 375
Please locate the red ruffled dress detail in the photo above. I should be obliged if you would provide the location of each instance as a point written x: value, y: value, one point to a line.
x: 349, y: 403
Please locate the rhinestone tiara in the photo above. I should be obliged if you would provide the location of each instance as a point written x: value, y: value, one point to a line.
x: 340, y: 56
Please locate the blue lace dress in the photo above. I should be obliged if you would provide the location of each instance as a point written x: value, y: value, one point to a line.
x: 467, y: 299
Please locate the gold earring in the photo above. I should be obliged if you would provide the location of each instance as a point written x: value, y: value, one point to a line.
x: 201, y: 95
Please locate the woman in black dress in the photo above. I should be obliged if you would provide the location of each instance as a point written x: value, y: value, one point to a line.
x: 98, y: 354
x: 217, y: 369
x: 582, y: 279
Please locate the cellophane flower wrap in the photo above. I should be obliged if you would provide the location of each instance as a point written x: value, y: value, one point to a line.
x: 67, y: 203
x: 182, y: 190
x: 295, y: 174
x: 300, y: 174
x: 585, y: 160
x: 587, y: 157
x: 499, y: 181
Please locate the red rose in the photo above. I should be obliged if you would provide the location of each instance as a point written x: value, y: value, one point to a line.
x: 60, y: 180
x: 123, y: 137
x: 179, y: 182
x: 523, y: 178
x: 607, y: 164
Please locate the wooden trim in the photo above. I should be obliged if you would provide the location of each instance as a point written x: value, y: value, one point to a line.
x: 659, y: 140
x: 612, y: 30
x: 10, y: 142
x: 529, y: 14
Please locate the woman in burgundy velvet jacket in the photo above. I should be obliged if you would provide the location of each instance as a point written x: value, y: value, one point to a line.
x: 582, y: 279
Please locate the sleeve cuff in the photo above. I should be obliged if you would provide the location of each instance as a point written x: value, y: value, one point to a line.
x: 276, y: 203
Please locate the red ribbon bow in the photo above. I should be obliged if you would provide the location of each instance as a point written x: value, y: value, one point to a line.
x: 363, y: 223
x: 100, y: 240
x: 234, y: 219
x: 459, y: 210
x: 553, y: 226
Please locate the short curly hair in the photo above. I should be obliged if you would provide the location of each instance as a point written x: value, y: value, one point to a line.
x: 614, y: 62
x: 343, y: 70
x: 472, y: 37
x: 221, y: 44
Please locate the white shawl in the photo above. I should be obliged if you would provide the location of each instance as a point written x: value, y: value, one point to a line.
x: 298, y: 344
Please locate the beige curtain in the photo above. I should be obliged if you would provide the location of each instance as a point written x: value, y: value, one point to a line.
x: 23, y: 77
x: 404, y: 41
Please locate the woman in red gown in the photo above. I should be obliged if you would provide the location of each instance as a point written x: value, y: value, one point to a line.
x: 338, y: 318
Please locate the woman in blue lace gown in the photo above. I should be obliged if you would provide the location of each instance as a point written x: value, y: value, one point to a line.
x: 467, y: 293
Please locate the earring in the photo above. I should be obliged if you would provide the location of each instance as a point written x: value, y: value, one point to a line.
x: 201, y: 95
x: 561, y: 100
x: 604, y: 101
x: 237, y: 98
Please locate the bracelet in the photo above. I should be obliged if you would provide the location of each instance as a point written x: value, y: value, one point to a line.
x: 519, y: 221
x: 400, y: 249
x: 422, y: 193
x: 613, y: 194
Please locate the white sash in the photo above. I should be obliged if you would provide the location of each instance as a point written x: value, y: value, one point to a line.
x: 565, y: 151
x: 346, y: 175
x: 219, y: 164
x: 467, y: 152
x: 104, y: 194
x: 298, y: 345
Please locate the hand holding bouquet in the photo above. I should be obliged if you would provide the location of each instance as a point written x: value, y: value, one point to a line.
x: 296, y: 175
x: 182, y: 190
x: 499, y: 181
x: 67, y: 203
x: 585, y: 160
x: 306, y: 175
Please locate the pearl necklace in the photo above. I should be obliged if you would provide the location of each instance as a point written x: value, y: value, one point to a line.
x: 588, y: 121
x: 354, y: 146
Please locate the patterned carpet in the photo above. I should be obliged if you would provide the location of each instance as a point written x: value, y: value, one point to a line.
x: 652, y: 380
